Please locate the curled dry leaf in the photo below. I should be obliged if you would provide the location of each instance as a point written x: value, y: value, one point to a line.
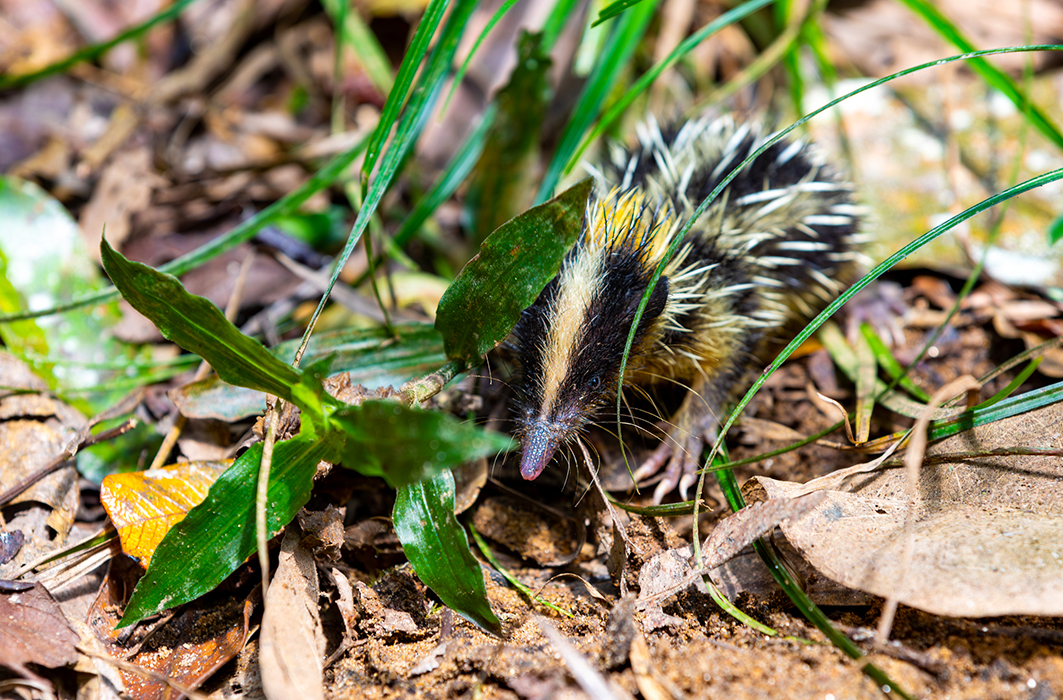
x: 987, y: 532
x: 293, y: 642
x: 144, y: 505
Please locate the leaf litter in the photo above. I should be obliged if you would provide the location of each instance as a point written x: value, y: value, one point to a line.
x: 221, y: 148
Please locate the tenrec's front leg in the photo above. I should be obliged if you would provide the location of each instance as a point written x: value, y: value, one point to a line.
x: 693, y: 426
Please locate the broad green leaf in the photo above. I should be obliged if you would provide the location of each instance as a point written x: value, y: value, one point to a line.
x: 514, y: 264
x: 438, y: 549
x: 373, y: 358
x: 197, y: 325
x: 43, y: 260
x: 218, y: 535
x: 502, y: 186
x: 403, y: 445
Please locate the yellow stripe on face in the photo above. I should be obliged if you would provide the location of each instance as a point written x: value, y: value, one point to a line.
x: 577, y: 285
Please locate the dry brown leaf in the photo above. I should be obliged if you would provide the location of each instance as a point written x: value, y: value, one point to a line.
x: 986, y: 537
x: 181, y: 652
x: 144, y: 505
x: 742, y: 528
x: 124, y: 189
x: 33, y: 630
x: 293, y: 642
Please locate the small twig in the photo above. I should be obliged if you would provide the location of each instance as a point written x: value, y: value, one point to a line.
x: 262, y: 493
x: 416, y: 391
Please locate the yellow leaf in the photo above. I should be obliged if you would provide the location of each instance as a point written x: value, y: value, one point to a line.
x: 144, y: 505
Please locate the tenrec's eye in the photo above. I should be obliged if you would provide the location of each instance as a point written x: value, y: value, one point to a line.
x: 594, y: 383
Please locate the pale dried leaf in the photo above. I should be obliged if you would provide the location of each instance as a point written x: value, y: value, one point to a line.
x: 986, y: 537
x: 293, y: 642
x: 741, y: 529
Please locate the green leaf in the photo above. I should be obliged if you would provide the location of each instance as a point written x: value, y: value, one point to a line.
x: 479, y: 310
x: 373, y: 358
x: 438, y: 550
x: 1016, y: 405
x: 43, y: 259
x: 503, y: 184
x: 1055, y: 230
x: 403, y: 444
x: 218, y: 535
x: 197, y: 325
x: 613, y: 9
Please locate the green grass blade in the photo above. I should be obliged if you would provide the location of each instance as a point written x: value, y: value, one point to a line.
x: 527, y: 592
x: 401, y: 90
x: 990, y: 73
x: 557, y: 20
x: 90, y: 53
x: 888, y: 362
x: 733, y: 493
x: 1012, y: 385
x: 409, y: 128
x: 1007, y: 408
x: 459, y: 167
x: 460, y: 75
x: 356, y: 35
x: 689, y: 44
x: 613, y: 9
x: 624, y: 38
